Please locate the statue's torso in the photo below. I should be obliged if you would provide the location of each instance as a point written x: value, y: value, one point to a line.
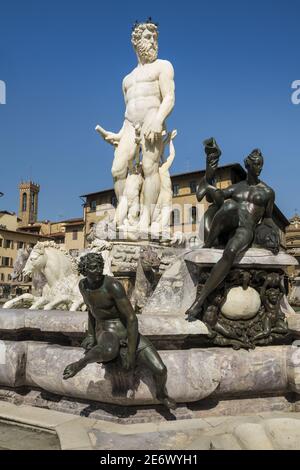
x: 102, y: 307
x: 252, y: 200
x: 142, y: 91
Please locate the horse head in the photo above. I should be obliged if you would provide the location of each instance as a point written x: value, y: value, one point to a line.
x: 36, y: 260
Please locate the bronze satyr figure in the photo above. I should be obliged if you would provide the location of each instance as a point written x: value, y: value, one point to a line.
x: 113, y: 324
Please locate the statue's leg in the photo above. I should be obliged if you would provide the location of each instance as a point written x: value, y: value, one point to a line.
x: 238, y: 243
x: 150, y: 358
x: 165, y: 215
x: 106, y: 350
x: 20, y: 301
x: 208, y: 219
x: 266, y: 331
x: 124, y: 153
x: 39, y: 303
x: 280, y: 327
x: 151, y: 188
x: 57, y: 302
x: 76, y: 305
x: 224, y: 220
x: 133, y: 212
x: 122, y: 209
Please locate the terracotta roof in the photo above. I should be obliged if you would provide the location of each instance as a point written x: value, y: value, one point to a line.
x: 57, y: 234
x: 25, y: 233
x: 66, y: 221
x: 78, y: 222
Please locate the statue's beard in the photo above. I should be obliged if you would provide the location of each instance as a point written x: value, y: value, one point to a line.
x: 147, y: 52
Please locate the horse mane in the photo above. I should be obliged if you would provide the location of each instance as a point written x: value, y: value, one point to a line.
x: 52, y: 244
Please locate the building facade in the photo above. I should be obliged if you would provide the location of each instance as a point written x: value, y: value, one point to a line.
x: 11, y: 240
x: 68, y: 233
x: 293, y: 242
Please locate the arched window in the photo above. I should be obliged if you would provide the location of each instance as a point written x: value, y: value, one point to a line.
x: 175, y: 217
x: 193, y: 215
x: 24, y: 202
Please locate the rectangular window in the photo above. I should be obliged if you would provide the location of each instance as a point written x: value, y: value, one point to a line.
x: 1, y: 242
x: 75, y: 235
x: 20, y: 245
x: 2, y: 277
x: 5, y: 261
x: 193, y: 186
x: 175, y: 189
x: 193, y: 215
x: 175, y: 217
x: 93, y: 206
x: 7, y: 243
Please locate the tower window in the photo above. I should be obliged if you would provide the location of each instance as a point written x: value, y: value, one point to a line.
x: 24, y: 202
x: 32, y: 202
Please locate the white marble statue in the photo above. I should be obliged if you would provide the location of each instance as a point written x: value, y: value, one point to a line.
x: 62, y: 278
x: 149, y: 93
x: 161, y: 214
x: 131, y: 199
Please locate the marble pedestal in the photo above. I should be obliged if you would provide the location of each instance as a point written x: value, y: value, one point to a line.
x: 36, y: 346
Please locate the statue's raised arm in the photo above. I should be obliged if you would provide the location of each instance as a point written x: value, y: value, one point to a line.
x: 207, y: 184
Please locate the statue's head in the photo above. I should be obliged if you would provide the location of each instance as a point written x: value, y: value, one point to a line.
x: 91, y: 266
x: 273, y: 295
x: 254, y: 162
x: 144, y: 39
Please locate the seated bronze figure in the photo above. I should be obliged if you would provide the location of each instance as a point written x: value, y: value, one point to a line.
x: 232, y: 219
x: 113, y: 328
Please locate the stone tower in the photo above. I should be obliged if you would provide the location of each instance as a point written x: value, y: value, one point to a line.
x: 28, y: 206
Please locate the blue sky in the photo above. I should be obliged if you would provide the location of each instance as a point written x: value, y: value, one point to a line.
x: 63, y: 62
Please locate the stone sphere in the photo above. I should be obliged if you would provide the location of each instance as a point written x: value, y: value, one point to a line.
x: 241, y: 304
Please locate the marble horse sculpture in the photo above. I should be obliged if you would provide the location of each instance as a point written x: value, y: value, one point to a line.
x: 60, y: 271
